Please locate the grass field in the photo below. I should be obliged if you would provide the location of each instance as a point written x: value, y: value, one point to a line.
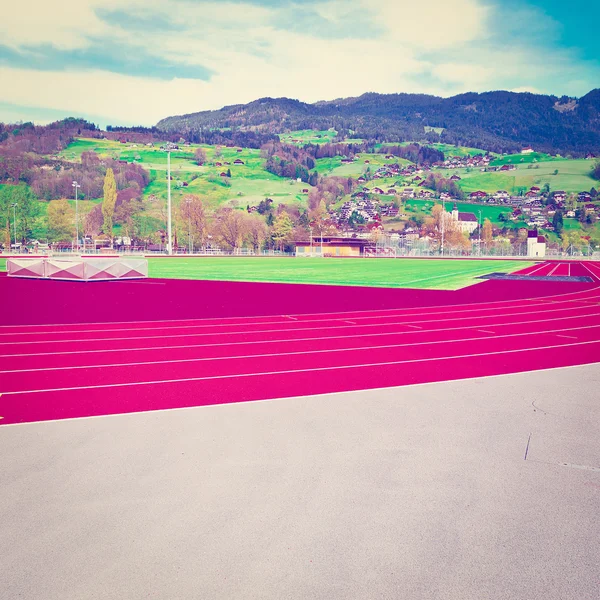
x: 307, y: 136
x: 408, y: 273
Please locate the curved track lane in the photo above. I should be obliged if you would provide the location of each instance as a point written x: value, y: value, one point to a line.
x: 55, y: 372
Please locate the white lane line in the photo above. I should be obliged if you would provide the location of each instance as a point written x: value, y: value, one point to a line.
x: 292, y: 371
x: 486, y: 331
x: 573, y: 337
x: 553, y: 270
x: 594, y: 277
x: 271, y: 322
x: 233, y: 405
x: 224, y: 333
x: 350, y: 322
x: 304, y: 352
x: 544, y: 264
x: 293, y: 340
x: 508, y: 303
x: 569, y: 269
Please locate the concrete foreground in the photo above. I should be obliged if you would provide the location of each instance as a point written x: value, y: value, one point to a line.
x: 417, y: 493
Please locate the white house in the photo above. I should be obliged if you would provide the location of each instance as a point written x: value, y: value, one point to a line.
x: 536, y: 244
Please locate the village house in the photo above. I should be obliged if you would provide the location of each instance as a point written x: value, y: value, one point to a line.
x: 536, y: 244
x: 477, y: 195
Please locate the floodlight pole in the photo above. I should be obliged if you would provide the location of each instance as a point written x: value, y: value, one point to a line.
x: 479, y: 233
x: 170, y: 244
x: 311, y: 247
x: 14, y: 207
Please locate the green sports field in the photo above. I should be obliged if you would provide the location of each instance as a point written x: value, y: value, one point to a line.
x: 441, y: 274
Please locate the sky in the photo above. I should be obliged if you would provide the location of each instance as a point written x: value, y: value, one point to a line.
x: 135, y: 62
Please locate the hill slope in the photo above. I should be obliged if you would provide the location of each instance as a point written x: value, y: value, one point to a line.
x: 497, y: 121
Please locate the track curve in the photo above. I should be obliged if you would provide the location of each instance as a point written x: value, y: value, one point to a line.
x: 66, y: 371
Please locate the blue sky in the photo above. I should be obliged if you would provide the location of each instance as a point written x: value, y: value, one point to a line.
x: 136, y: 62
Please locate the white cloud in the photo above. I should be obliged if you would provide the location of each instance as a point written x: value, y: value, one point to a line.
x: 66, y: 25
x: 451, y: 47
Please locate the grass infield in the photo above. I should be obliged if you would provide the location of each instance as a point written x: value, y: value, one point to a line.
x: 436, y: 274
x: 441, y: 274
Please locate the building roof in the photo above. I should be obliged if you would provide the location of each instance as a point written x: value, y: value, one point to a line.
x: 463, y: 216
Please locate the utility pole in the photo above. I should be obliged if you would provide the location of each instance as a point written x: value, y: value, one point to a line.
x: 76, y: 186
x: 14, y: 207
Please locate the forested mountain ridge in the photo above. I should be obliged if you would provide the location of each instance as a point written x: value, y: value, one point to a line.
x: 496, y: 121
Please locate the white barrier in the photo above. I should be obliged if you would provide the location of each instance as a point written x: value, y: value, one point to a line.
x: 25, y: 267
x: 78, y: 269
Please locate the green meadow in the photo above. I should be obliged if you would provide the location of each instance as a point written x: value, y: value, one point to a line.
x: 559, y: 174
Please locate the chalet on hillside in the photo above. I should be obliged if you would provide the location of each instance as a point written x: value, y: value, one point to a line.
x: 477, y: 195
x: 238, y: 161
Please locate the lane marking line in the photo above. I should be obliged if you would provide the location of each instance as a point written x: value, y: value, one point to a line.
x: 300, y: 352
x: 224, y: 333
x: 271, y: 322
x: 509, y: 303
x: 306, y: 339
x: 293, y: 371
x: 573, y: 337
x: 235, y: 405
x: 486, y: 331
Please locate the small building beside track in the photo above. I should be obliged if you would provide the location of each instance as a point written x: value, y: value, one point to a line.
x: 332, y: 246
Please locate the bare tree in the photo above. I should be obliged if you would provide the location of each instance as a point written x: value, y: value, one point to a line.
x: 194, y: 218
x: 230, y: 228
x: 257, y: 231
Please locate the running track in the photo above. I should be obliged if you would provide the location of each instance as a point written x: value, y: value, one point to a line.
x: 84, y: 369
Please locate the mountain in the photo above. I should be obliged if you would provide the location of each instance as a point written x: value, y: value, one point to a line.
x: 498, y: 121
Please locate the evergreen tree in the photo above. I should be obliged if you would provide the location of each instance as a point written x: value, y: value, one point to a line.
x: 557, y: 222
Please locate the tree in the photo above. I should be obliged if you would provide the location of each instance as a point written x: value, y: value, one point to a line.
x: 200, y: 156
x: 229, y: 227
x: 596, y: 171
x: 26, y: 211
x: 257, y: 231
x: 194, y: 218
x: 125, y: 213
x: 108, y: 204
x: 61, y: 221
x: 229, y: 173
x: 557, y: 222
x: 487, y: 232
x: 282, y: 229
